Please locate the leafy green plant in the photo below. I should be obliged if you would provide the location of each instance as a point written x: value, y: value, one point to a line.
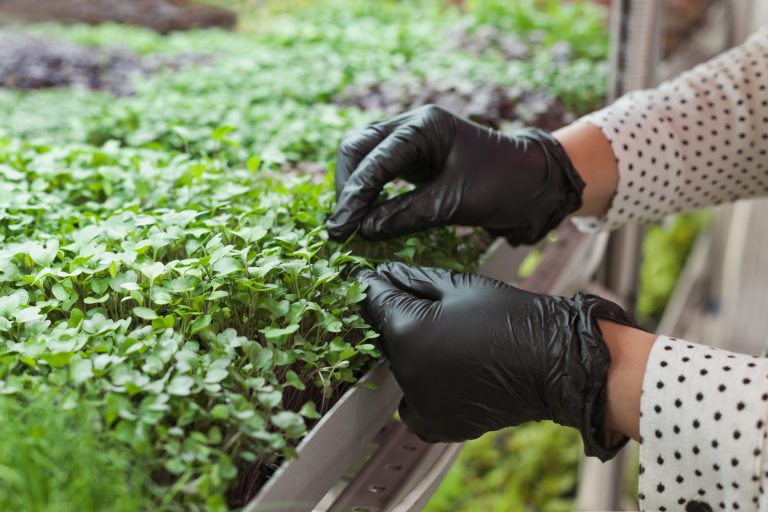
x: 197, y: 305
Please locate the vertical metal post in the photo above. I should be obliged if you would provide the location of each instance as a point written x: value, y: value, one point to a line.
x: 636, y: 29
x: 636, y: 34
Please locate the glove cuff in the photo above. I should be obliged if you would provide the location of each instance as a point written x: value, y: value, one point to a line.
x: 588, y: 414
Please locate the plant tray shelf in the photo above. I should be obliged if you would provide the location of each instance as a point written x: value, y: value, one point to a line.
x: 358, y: 458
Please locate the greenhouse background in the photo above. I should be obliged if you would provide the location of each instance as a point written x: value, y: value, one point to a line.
x: 174, y: 320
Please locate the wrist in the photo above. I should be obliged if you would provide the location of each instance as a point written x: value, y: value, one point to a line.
x: 629, y: 348
x: 591, y: 367
x: 591, y: 154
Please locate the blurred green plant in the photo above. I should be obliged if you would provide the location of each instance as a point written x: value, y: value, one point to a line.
x: 665, y: 250
x: 57, y: 455
x: 265, y: 84
x: 532, y: 467
x: 582, y: 23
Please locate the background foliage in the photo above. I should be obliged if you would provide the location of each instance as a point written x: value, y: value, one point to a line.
x: 665, y: 249
x: 527, y: 468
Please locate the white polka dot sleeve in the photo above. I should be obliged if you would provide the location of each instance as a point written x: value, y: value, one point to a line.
x: 703, y: 429
x: 695, y: 141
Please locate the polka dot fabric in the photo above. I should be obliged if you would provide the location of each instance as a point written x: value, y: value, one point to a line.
x: 695, y: 141
x: 703, y: 429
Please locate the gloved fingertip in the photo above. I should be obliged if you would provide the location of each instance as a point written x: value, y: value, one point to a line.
x: 378, y: 285
x: 337, y: 230
x: 374, y: 229
x: 400, y: 216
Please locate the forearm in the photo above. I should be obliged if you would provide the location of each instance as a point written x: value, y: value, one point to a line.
x: 695, y: 141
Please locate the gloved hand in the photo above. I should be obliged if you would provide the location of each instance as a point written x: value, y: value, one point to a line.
x: 472, y: 354
x: 519, y: 185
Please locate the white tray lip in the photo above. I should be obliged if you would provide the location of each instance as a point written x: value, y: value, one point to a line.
x: 379, y: 404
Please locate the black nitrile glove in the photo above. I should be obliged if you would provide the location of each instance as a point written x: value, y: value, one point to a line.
x: 473, y: 355
x: 519, y: 185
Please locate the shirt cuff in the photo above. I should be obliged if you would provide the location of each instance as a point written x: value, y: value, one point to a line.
x: 632, y: 202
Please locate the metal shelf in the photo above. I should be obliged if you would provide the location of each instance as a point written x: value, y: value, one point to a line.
x: 334, y: 444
